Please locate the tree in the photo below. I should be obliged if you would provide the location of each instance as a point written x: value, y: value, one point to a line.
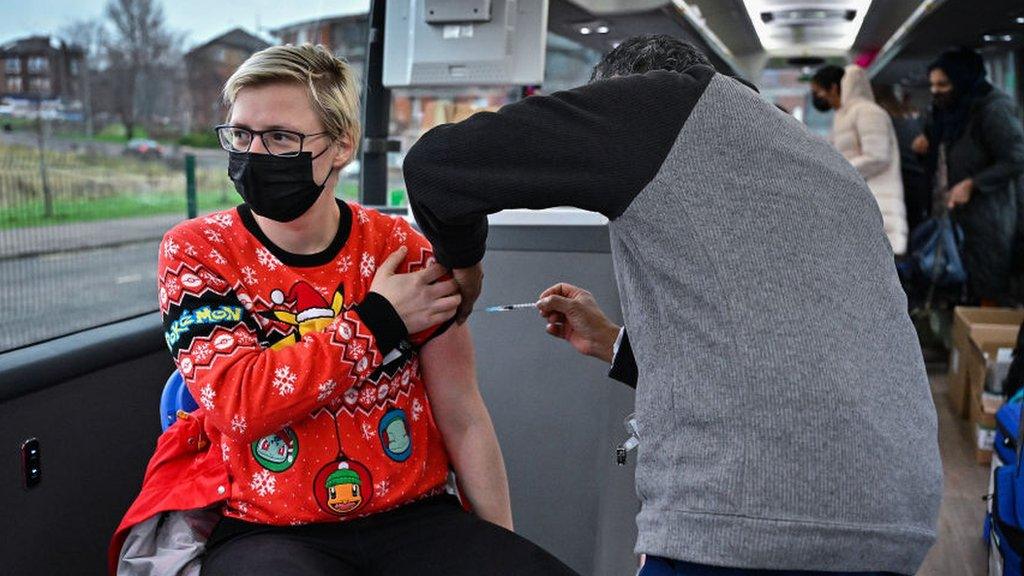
x: 138, y: 45
x: 89, y: 35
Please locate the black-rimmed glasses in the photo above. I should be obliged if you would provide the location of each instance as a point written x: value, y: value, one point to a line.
x: 277, y: 142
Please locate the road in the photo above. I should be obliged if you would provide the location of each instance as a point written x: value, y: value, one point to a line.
x: 55, y: 280
x: 205, y: 157
x: 56, y: 294
x: 41, y: 240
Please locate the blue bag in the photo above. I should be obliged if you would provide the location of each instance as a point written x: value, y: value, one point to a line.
x: 1007, y: 545
x: 1004, y: 526
x: 935, y: 252
x: 1008, y: 431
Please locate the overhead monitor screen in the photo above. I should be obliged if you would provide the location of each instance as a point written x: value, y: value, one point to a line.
x: 464, y: 42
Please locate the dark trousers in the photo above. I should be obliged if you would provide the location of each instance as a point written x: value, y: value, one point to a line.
x: 664, y: 567
x: 434, y: 536
x: 917, y: 196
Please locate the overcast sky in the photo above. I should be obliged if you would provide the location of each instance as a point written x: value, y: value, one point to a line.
x: 200, y: 20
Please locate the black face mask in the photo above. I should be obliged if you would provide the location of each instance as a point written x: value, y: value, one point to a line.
x: 820, y: 104
x: 275, y: 187
x: 944, y: 100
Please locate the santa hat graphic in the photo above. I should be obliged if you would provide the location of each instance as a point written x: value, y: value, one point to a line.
x: 305, y: 300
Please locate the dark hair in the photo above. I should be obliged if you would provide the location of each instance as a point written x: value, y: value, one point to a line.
x: 828, y: 76
x: 885, y: 96
x: 965, y: 68
x: 640, y: 54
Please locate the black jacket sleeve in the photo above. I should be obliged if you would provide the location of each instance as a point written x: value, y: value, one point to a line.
x: 1003, y: 137
x: 594, y: 147
x: 624, y: 363
x: 1014, y: 380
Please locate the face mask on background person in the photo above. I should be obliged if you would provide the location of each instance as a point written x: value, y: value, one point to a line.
x: 276, y: 187
x: 820, y: 104
x: 944, y: 100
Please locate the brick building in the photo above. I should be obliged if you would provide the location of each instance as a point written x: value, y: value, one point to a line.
x: 208, y: 66
x: 41, y: 67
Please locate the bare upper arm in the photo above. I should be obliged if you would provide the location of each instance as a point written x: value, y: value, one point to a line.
x: 449, y: 374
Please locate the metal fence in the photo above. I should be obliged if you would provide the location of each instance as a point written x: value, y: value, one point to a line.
x: 79, y: 231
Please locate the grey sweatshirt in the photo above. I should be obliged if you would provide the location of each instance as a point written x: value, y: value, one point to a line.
x: 784, y: 411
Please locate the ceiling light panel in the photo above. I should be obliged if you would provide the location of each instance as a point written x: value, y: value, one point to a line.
x: 592, y: 27
x: 790, y: 26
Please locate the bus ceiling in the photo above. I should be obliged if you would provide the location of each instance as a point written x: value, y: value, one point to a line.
x: 896, y: 38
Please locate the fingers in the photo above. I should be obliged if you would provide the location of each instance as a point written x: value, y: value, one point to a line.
x: 390, y: 266
x: 446, y: 306
x: 555, y: 318
x: 552, y: 304
x: 562, y: 289
x: 442, y: 289
x: 920, y: 144
x: 434, y: 312
x: 555, y: 290
x: 432, y: 273
x: 465, y: 309
x: 470, y: 281
x: 556, y: 330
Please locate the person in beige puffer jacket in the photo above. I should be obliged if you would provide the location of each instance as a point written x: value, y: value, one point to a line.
x: 863, y: 132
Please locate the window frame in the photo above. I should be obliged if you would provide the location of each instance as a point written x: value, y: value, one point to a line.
x: 38, y: 65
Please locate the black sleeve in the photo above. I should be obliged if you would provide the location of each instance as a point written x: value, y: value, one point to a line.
x: 1003, y: 138
x: 624, y: 363
x: 1014, y: 380
x: 594, y: 147
x: 383, y: 320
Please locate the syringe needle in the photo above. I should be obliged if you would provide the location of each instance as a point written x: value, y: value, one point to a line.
x: 510, y: 307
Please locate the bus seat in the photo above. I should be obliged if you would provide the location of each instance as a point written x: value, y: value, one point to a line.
x: 175, y: 397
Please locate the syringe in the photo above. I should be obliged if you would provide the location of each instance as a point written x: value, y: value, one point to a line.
x: 510, y: 307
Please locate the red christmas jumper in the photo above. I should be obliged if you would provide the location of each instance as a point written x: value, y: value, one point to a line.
x: 312, y: 406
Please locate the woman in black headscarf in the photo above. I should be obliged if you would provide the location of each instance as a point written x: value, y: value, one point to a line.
x: 975, y: 147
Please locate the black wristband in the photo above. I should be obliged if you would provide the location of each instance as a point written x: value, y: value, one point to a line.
x: 383, y: 320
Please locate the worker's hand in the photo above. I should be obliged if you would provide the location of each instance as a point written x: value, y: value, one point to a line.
x: 960, y: 194
x: 920, y: 145
x: 470, y: 281
x: 418, y: 297
x: 573, y: 315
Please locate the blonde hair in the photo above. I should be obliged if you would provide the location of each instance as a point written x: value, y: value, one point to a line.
x: 331, y: 83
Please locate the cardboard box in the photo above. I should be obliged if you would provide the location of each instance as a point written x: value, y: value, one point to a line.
x: 983, y: 404
x: 991, y: 403
x: 978, y: 415
x: 998, y: 370
x: 984, y: 444
x: 967, y: 318
x: 980, y: 367
x: 975, y: 331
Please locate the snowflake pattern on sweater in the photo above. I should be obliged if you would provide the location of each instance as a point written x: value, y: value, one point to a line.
x: 298, y: 401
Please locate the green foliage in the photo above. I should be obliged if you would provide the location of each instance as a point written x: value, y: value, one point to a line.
x: 205, y: 139
x: 120, y: 205
x: 87, y: 187
x: 116, y: 133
